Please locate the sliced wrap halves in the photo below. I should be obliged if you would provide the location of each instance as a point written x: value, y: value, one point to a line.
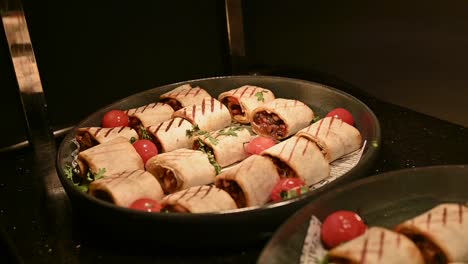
x: 250, y: 182
x: 198, y: 199
x: 181, y: 169
x: 124, y: 188
x: 243, y: 100
x: 281, y: 118
x: 184, y: 95
x: 333, y: 136
x: 441, y: 233
x: 299, y: 157
x: 377, y: 246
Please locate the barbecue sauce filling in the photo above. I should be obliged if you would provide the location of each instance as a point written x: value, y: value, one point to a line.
x: 233, y: 105
x: 432, y: 254
x: 176, y: 105
x: 270, y: 124
x: 234, y: 190
x: 86, y: 141
x: 167, y: 180
x: 283, y: 169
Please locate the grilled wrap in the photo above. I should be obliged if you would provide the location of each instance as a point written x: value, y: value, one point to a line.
x: 227, y: 144
x: 440, y: 233
x: 243, y: 100
x: 124, y: 188
x: 250, y: 182
x: 89, y: 137
x: 281, y: 118
x: 299, y: 157
x: 209, y: 115
x: 333, y: 136
x: 181, y: 169
x: 377, y: 245
x: 171, y: 134
x: 198, y: 199
x: 184, y: 95
x: 115, y: 156
x: 148, y: 115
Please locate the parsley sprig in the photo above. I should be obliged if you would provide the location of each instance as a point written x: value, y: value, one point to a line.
x: 83, y: 184
x: 259, y: 96
x: 209, y: 153
x: 145, y: 134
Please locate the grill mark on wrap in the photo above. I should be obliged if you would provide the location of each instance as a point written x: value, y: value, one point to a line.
x: 169, y: 125
x: 319, y: 127
x: 97, y: 131
x: 108, y: 132
x: 330, y: 125
x: 120, y: 130
x: 207, y: 192
x: 212, y: 104
x: 182, y: 196
x: 144, y: 108
x: 203, y: 107
x: 195, y: 193
x: 158, y: 127
x: 180, y: 122
x: 293, y: 149
x: 188, y: 92
x: 381, y: 244
x: 428, y: 220
x: 197, y: 91
x: 306, y: 146
x: 364, y: 251
x: 243, y: 92
x: 253, y: 91
x: 194, y: 108
x: 444, y: 216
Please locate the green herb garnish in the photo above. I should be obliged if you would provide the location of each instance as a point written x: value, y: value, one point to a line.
x: 230, y: 131
x: 259, y: 96
x: 209, y: 153
x: 83, y: 184
x: 196, y: 131
x: 316, y: 118
x: 133, y: 140
x: 295, y: 192
x: 68, y: 170
x: 324, y: 260
x: 145, y: 134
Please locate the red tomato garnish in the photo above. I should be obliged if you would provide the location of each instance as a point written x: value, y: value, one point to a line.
x: 342, y: 114
x: 146, y: 148
x: 259, y: 144
x: 115, y: 118
x: 288, y: 188
x: 341, y: 226
x: 146, y: 204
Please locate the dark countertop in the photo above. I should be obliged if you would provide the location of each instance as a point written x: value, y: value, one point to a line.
x: 42, y: 232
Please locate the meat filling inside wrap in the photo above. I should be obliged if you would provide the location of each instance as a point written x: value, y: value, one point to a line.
x: 85, y: 140
x: 283, y: 169
x: 175, y: 208
x: 233, y: 105
x: 176, y: 105
x: 431, y: 252
x: 270, y: 123
x: 168, y: 180
x: 338, y: 260
x: 234, y: 190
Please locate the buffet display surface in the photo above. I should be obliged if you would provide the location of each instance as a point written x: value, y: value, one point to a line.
x: 39, y: 231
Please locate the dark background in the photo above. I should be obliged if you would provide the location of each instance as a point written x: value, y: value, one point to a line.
x: 91, y: 53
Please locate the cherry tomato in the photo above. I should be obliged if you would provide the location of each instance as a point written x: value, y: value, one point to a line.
x: 341, y: 226
x: 342, y: 114
x: 146, y: 204
x: 288, y: 188
x: 146, y: 148
x: 259, y: 144
x: 115, y: 118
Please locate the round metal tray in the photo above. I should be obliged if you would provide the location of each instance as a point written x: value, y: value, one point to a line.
x: 216, y: 229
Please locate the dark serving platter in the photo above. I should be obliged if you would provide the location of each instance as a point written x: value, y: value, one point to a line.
x: 239, y: 227
x: 381, y: 200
